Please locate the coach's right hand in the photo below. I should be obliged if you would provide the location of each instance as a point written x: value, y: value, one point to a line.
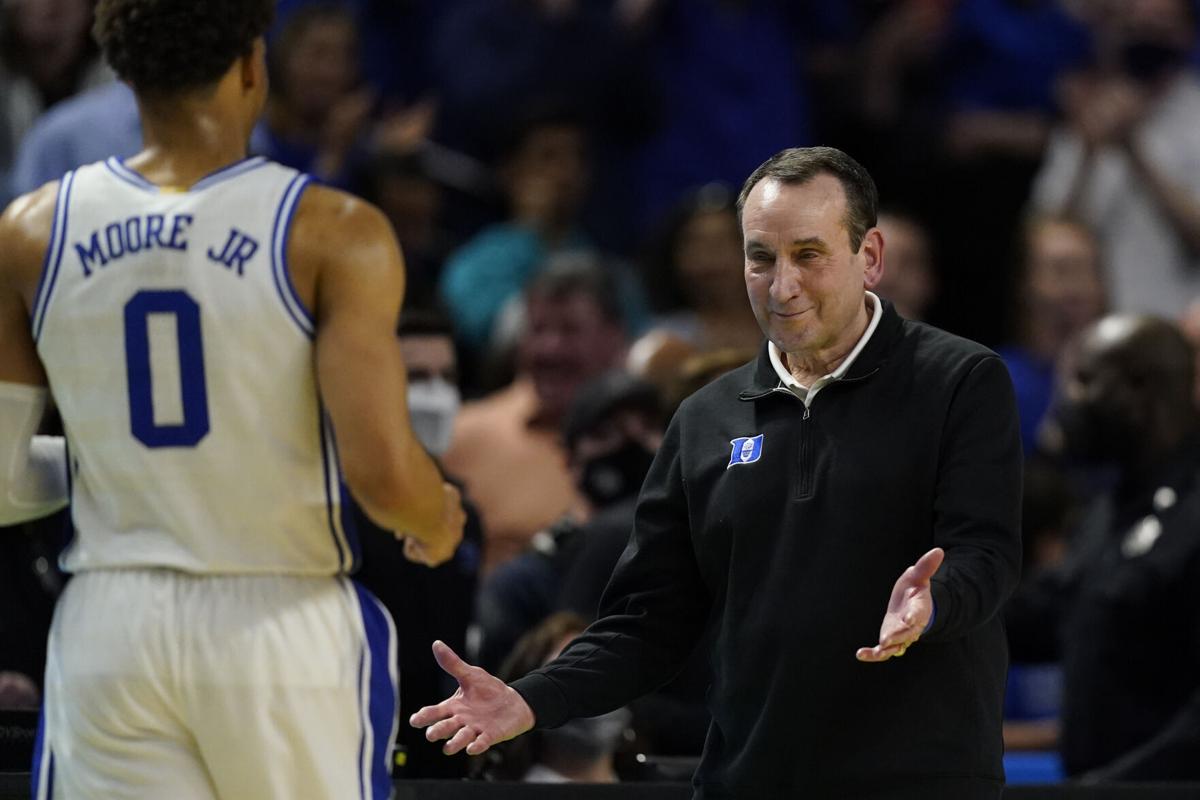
x: 449, y: 536
x: 483, y: 712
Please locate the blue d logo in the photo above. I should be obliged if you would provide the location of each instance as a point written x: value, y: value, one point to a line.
x: 745, y: 450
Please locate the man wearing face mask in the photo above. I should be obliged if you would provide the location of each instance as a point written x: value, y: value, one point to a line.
x: 1123, y: 612
x: 426, y: 603
x: 611, y: 449
x: 611, y: 433
x: 1127, y: 160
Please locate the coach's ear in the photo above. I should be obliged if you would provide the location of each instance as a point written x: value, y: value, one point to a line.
x: 871, y: 252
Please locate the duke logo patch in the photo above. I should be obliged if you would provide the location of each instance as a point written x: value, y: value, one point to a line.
x: 746, y: 450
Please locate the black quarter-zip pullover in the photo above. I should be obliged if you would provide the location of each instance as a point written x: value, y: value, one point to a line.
x: 783, y: 531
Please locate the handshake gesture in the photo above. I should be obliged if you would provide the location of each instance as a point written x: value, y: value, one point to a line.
x: 450, y: 533
x: 909, y: 611
x: 483, y: 712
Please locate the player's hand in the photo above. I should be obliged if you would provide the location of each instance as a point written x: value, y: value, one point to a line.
x: 909, y: 610
x: 449, y: 535
x: 483, y: 712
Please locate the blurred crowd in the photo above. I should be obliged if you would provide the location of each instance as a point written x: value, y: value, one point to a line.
x: 562, y: 175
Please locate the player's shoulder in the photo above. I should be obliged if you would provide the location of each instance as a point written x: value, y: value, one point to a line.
x: 32, y: 213
x: 337, y: 235
x: 332, y: 218
x: 26, y: 225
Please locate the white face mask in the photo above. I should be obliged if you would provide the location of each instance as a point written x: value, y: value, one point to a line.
x: 432, y: 405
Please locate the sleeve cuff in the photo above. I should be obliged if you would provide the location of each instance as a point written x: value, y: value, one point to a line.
x: 937, y: 621
x: 546, y: 700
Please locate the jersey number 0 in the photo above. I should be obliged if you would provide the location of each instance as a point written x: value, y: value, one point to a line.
x: 190, y: 349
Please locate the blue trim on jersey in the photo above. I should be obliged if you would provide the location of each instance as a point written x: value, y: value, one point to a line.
x: 132, y: 177
x: 136, y: 179
x: 382, y: 704
x: 231, y: 171
x: 70, y: 532
x: 362, y: 723
x: 56, y: 227
x: 326, y: 436
x: 345, y: 508
x: 39, y: 790
x: 279, y: 266
x: 54, y: 252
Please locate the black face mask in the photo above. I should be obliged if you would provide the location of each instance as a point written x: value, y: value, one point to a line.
x: 616, y: 475
x: 1095, y: 435
x: 1147, y: 60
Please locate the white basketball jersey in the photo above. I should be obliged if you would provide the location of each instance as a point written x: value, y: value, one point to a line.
x: 182, y: 363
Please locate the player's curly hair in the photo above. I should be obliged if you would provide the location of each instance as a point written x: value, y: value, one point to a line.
x: 166, y: 47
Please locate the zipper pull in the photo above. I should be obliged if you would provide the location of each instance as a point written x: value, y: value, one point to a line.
x: 807, y: 412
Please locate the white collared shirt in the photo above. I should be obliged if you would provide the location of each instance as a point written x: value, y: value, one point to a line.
x: 807, y: 394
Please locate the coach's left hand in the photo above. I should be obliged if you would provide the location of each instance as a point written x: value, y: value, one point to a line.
x: 909, y: 610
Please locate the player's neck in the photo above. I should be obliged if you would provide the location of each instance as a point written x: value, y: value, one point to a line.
x: 181, y: 148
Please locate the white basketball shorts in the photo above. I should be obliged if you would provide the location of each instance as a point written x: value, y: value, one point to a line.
x: 161, y: 684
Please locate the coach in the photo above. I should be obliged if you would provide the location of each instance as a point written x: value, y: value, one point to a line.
x: 787, y: 497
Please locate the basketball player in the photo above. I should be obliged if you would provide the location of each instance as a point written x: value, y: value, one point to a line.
x: 217, y: 334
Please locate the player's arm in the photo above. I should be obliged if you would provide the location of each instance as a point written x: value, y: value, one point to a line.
x: 358, y: 285
x: 33, y: 474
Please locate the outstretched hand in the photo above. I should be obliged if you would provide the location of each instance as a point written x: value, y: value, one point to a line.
x: 909, y: 610
x: 483, y: 712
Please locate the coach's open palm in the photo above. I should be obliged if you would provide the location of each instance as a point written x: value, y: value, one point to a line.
x: 909, y: 609
x: 483, y: 712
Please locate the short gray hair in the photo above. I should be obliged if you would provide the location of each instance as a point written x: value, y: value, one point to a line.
x: 801, y: 164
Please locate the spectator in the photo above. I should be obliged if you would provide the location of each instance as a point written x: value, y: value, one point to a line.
x: 545, y: 173
x: 959, y: 95
x: 506, y: 446
x: 1123, y: 610
x: 1127, y: 160
x: 611, y: 433
x: 394, y: 38
x: 1060, y: 290
x: 406, y: 188
x: 318, y: 113
x: 46, y: 55
x: 694, y: 264
x: 493, y: 57
x: 426, y: 603
x: 908, y: 275
x: 732, y: 88
x: 90, y: 126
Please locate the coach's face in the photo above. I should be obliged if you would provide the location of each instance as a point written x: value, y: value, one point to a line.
x: 805, y: 283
